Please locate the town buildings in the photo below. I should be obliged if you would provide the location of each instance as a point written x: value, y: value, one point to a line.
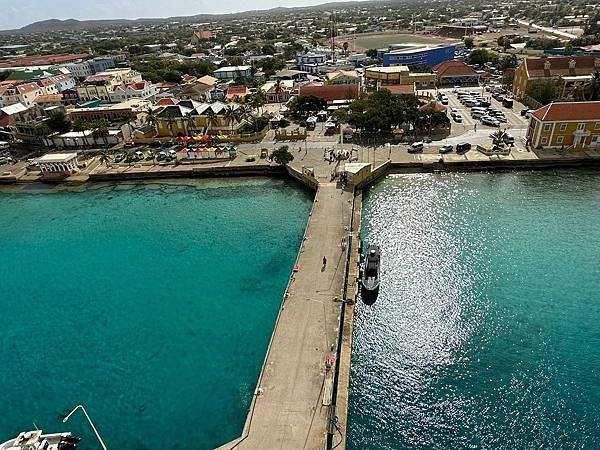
x: 103, y: 84
x: 312, y: 62
x: 569, y: 69
x: 398, y: 75
x: 450, y: 73
x: 565, y: 125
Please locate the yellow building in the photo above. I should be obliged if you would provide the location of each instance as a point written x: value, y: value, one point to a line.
x: 378, y: 76
x: 565, y: 125
x: 188, y: 117
x: 569, y: 69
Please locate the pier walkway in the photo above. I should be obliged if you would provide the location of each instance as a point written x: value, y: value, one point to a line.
x: 289, y: 409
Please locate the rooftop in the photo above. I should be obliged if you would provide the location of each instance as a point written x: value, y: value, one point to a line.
x: 569, y: 111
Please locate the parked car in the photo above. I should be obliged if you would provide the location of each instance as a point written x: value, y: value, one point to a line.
x: 416, y: 147
x: 161, y: 156
x: 489, y: 120
x: 484, y: 103
x: 119, y: 157
x: 444, y: 100
x: 447, y: 148
x: 477, y: 114
x: 155, y: 144
x: 457, y: 117
x: 138, y: 155
x: 129, y: 144
x: 463, y: 147
x: 507, y: 102
x: 172, y: 154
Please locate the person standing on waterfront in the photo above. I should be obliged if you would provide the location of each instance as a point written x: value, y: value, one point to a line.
x: 324, y: 262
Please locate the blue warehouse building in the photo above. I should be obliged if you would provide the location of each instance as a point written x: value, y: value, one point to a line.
x: 418, y: 55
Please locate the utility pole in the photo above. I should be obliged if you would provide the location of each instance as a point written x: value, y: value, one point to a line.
x: 332, y: 29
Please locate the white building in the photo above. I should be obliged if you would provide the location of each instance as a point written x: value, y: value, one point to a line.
x: 312, y: 62
x: 142, y: 89
x: 102, y: 84
x: 52, y: 164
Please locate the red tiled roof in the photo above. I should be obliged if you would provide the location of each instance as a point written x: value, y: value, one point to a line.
x: 237, y: 90
x: 53, y: 98
x: 435, y: 106
x: 167, y: 101
x: 331, y: 92
x: 565, y: 111
x: 42, y: 60
x: 28, y: 87
x: 398, y: 89
x: 454, y: 69
x: 559, y: 66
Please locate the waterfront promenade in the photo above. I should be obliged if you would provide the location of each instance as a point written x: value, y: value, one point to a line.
x: 290, y: 407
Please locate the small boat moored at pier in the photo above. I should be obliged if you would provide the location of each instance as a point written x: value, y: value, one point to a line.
x: 369, y: 279
x: 31, y: 440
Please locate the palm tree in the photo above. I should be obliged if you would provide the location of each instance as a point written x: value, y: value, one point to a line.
x: 230, y: 116
x: 258, y: 100
x: 103, y: 157
x: 170, y: 122
x: 43, y: 130
x: 593, y: 87
x: 128, y: 119
x: 101, y: 132
x: 212, y: 119
x: 151, y: 118
x: 278, y: 90
x: 577, y: 91
x: 190, y: 122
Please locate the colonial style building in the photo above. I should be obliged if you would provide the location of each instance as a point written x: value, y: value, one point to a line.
x: 103, y: 84
x: 565, y: 125
x: 450, y: 73
x: 398, y: 75
x: 569, y: 69
x: 188, y: 117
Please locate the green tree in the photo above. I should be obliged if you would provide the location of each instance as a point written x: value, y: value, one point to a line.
x: 469, y: 43
x: 59, y: 121
x: 268, y: 49
x: 282, y: 156
x: 545, y: 91
x: 371, y: 53
x: 481, y: 56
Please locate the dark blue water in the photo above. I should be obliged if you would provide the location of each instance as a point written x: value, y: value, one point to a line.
x: 486, y: 332
x: 152, y: 305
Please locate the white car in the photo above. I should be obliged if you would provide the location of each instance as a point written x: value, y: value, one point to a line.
x: 488, y: 120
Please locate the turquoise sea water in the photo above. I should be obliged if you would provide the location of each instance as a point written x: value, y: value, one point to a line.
x: 486, y: 332
x: 150, y: 304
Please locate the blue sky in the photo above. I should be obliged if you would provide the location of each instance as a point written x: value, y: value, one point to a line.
x: 17, y: 13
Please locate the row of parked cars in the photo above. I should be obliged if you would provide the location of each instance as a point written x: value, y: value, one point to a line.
x: 463, y: 147
x: 162, y: 155
x: 481, y: 109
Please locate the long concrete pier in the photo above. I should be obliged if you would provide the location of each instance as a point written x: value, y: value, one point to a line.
x: 291, y: 408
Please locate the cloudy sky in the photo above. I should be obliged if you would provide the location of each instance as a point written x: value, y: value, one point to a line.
x: 17, y: 13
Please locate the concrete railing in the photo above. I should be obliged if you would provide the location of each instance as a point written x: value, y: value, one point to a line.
x: 303, y: 178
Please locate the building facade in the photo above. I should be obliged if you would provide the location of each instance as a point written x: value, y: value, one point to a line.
x: 565, y: 125
x: 418, y: 55
x: 569, y: 69
x: 233, y: 72
x: 312, y: 62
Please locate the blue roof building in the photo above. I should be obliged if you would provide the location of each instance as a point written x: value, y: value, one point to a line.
x: 418, y: 55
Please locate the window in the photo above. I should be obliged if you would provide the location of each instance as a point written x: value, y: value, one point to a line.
x: 597, y: 126
x: 547, y: 127
x: 581, y: 126
x: 560, y: 139
x: 544, y: 141
x: 563, y: 126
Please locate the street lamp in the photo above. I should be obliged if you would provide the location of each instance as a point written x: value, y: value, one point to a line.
x: 89, y: 420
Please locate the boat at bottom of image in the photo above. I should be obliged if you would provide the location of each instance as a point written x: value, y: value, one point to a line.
x: 36, y: 440
x: 369, y: 279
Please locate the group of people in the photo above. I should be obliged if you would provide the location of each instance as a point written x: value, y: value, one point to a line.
x: 336, y: 155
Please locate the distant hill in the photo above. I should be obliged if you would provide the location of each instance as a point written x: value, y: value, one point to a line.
x: 74, y: 24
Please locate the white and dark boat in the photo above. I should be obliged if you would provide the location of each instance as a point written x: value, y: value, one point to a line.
x: 36, y: 440
x: 369, y: 281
